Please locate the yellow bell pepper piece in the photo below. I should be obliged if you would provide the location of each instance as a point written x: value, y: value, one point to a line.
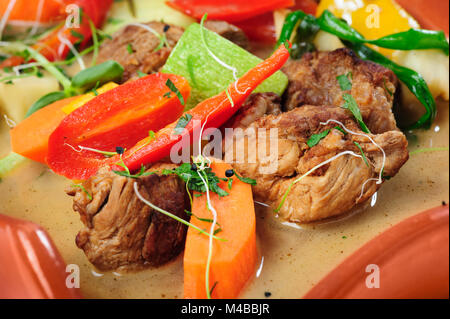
x: 372, y: 18
x: 83, y: 99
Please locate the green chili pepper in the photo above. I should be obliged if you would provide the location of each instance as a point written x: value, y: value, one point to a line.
x: 304, y: 37
x: 409, y: 40
x: 44, y: 101
x: 413, y: 39
x: 289, y: 25
x: 413, y: 80
x: 101, y: 74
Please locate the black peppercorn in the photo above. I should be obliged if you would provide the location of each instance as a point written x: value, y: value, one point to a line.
x: 120, y: 150
x: 229, y: 172
x: 194, y: 167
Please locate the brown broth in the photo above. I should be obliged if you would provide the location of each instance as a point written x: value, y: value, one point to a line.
x: 295, y: 258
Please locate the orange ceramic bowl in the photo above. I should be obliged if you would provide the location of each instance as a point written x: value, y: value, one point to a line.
x: 410, y: 260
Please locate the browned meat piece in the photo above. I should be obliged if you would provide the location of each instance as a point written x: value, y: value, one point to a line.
x: 145, y: 57
x: 121, y: 232
x: 312, y: 81
x: 332, y: 189
x: 228, y: 31
x: 256, y: 106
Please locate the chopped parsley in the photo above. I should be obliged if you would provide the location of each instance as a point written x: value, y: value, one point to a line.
x: 230, y: 183
x: 340, y: 129
x: 362, y: 153
x: 245, y: 179
x: 168, y: 95
x: 344, y: 81
x: 194, y: 181
x: 141, y: 74
x: 182, y: 123
x: 352, y: 106
x: 126, y: 172
x: 175, y: 90
x: 315, y: 138
x: 83, y: 189
x: 130, y: 48
x: 207, y: 220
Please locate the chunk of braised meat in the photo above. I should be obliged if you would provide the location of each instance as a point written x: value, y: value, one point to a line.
x: 228, y: 31
x: 136, y: 48
x: 121, y: 232
x: 256, y: 106
x: 312, y: 81
x: 276, y: 160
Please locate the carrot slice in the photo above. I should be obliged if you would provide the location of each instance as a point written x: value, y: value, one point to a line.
x: 30, y: 137
x: 233, y: 261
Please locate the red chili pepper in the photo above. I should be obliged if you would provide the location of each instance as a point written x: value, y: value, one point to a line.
x: 230, y: 10
x: 119, y: 117
x: 51, y: 45
x: 214, y: 111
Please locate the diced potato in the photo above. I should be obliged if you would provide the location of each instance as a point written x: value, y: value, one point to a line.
x: 16, y: 98
x: 433, y: 65
x: 325, y: 41
x: 278, y: 17
x: 154, y: 10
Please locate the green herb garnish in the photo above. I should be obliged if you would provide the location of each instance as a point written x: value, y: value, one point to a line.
x: 167, y: 95
x: 182, y: 122
x: 352, y: 106
x: 315, y: 138
x: 126, y: 172
x: 230, y: 183
x: 130, y: 48
x: 194, y: 181
x: 83, y: 189
x: 340, y: 129
x: 362, y: 153
x: 245, y: 179
x: 141, y: 74
x: 344, y: 81
x: 175, y: 90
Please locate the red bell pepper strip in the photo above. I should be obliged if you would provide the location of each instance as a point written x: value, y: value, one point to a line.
x: 262, y: 27
x: 230, y: 10
x: 119, y: 117
x: 52, y: 47
x: 214, y: 111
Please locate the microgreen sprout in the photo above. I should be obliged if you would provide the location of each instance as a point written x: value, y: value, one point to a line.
x: 162, y: 211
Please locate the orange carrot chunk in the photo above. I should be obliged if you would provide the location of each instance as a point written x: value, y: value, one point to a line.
x: 233, y: 261
x: 30, y: 137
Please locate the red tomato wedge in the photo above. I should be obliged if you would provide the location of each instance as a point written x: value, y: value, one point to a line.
x: 233, y: 261
x: 120, y: 117
x: 231, y: 10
